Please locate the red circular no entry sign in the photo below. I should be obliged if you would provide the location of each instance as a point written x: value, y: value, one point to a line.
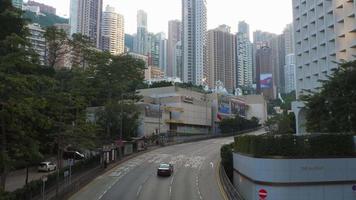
x: 262, y: 193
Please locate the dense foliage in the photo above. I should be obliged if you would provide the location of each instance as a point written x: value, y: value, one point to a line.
x: 296, y: 146
x: 43, y: 107
x: 45, y: 20
x: 333, y: 109
x: 227, y: 160
x: 281, y: 124
x: 237, y: 124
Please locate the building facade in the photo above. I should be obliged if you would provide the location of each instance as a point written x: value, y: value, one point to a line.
x: 221, y: 56
x: 85, y: 18
x: 260, y: 39
x: 175, y: 110
x: 194, y: 27
x: 289, y: 73
x: 38, y: 41
x: 244, y: 68
x: 113, y: 35
x: 264, y: 73
x: 153, y: 72
x: 129, y: 42
x: 324, y: 33
x: 174, y: 36
x: 141, y: 41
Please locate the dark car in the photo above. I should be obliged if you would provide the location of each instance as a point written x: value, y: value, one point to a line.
x: 165, y: 170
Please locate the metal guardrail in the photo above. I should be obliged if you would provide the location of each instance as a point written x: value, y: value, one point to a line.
x: 228, y: 187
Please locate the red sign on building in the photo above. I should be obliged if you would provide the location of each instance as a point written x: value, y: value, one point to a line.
x: 262, y: 193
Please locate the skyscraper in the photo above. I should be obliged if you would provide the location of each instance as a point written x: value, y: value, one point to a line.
x: 113, y: 35
x: 260, y: 39
x: 277, y: 45
x: 85, y: 18
x: 289, y: 73
x: 129, y: 42
x: 324, y: 33
x: 264, y: 72
x: 194, y: 26
x: 174, y: 36
x: 289, y: 39
x: 221, y: 58
x: 141, y: 41
x: 244, y: 68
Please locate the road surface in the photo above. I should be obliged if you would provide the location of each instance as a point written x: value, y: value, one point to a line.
x: 194, y: 177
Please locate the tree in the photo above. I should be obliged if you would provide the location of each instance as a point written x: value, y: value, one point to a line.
x: 281, y: 124
x: 21, y: 81
x: 238, y: 123
x: 333, y: 108
x: 57, y: 45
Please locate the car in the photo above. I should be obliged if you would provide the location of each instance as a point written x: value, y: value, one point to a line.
x: 47, y: 167
x: 73, y: 155
x: 165, y: 169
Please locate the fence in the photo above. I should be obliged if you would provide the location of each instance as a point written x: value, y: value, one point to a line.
x: 228, y: 187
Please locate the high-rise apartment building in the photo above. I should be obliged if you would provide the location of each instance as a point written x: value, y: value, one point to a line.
x: 37, y: 40
x: 129, y: 42
x: 289, y: 67
x: 264, y: 69
x: 85, y: 18
x: 289, y: 39
x: 178, y: 60
x: 141, y: 41
x: 43, y: 7
x: 324, y: 33
x: 289, y: 73
x: 194, y: 26
x: 277, y: 45
x: 221, y: 58
x: 174, y: 36
x: 112, y: 32
x: 17, y: 3
x: 260, y: 39
x: 157, y: 50
x: 244, y: 68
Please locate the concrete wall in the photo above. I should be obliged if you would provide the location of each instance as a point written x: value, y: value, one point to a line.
x: 298, y: 179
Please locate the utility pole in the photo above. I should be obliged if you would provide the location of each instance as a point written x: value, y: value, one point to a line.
x: 121, y: 124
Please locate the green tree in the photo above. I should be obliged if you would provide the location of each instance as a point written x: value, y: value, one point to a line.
x: 21, y: 81
x: 333, y: 108
x: 57, y: 45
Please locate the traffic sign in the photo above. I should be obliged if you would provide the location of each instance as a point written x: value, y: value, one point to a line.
x: 262, y: 193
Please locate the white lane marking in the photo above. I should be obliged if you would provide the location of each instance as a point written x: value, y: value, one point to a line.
x: 139, y: 191
x: 172, y: 179
x: 212, y: 164
x: 170, y: 191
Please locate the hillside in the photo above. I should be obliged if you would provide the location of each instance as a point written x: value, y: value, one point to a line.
x: 44, y: 20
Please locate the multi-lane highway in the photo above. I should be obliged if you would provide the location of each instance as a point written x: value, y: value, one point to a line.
x: 194, y: 177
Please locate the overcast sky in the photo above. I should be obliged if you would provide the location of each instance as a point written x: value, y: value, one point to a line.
x: 266, y: 15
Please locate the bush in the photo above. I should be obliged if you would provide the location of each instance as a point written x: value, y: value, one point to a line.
x: 227, y: 160
x: 296, y: 146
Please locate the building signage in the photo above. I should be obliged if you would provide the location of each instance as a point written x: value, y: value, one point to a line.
x: 262, y: 193
x: 266, y: 81
x: 187, y: 99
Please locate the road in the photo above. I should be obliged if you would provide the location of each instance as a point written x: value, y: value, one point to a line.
x: 194, y: 177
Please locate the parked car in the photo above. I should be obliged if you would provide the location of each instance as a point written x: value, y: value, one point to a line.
x: 73, y: 155
x: 46, y: 167
x: 165, y: 170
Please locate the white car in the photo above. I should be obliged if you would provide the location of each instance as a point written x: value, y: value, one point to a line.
x: 46, y: 167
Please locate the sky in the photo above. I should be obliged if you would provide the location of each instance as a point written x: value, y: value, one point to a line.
x: 266, y: 15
